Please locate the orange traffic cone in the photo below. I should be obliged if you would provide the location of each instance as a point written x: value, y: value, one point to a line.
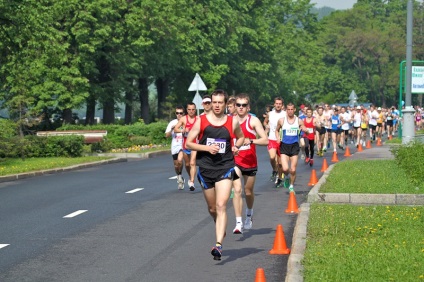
x: 334, y: 159
x: 313, y: 180
x: 379, y: 142
x: 292, y: 205
x: 324, y: 165
x: 280, y: 246
x: 390, y: 137
x: 347, y: 152
x: 368, y: 145
x: 260, y: 275
x: 360, y: 149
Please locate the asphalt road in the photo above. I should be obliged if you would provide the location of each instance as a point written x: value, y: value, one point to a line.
x: 92, y: 225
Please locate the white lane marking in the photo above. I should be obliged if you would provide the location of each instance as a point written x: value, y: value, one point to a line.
x: 3, y: 245
x: 134, y: 191
x: 74, y: 214
x: 173, y: 177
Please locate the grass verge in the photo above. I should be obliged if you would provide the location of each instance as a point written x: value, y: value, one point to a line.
x: 371, y: 177
x: 364, y: 243
x: 14, y: 166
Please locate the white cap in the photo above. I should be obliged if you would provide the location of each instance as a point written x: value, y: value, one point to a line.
x: 358, y: 107
x: 206, y: 100
x: 379, y: 109
x: 333, y: 106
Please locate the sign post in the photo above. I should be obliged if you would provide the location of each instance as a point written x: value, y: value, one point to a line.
x: 196, y: 85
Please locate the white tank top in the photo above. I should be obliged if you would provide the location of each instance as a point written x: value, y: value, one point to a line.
x: 273, y: 121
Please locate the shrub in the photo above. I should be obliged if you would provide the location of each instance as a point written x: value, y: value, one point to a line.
x: 53, y: 146
x: 409, y: 157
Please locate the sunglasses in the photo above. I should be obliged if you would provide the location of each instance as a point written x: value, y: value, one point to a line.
x: 207, y: 103
x: 241, y: 105
x: 179, y: 113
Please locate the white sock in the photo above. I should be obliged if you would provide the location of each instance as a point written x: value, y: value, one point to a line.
x: 239, y: 219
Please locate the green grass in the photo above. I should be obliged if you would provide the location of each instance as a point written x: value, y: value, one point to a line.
x: 371, y: 177
x: 14, y: 166
x: 394, y: 141
x: 364, y: 243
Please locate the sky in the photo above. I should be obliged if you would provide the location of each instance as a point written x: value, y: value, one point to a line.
x: 336, y: 4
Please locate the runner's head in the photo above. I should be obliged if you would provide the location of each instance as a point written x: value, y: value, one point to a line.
x: 231, y: 105
x: 290, y: 109
x: 278, y: 104
x: 308, y: 112
x: 191, y: 109
x: 242, y: 104
x: 179, y: 111
x: 219, y: 101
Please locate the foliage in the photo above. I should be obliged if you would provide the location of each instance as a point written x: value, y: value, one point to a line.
x: 53, y: 146
x: 13, y: 165
x: 364, y: 243
x: 410, y: 158
x: 370, y: 176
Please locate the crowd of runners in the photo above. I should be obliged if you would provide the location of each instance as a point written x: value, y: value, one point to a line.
x: 218, y: 147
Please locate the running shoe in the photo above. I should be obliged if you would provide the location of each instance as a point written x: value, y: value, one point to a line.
x: 286, y: 182
x: 248, y: 222
x: 217, y: 252
x: 302, y: 156
x: 324, y: 149
x: 191, y: 185
x: 238, y: 229
x: 291, y: 188
x: 307, y: 160
x: 279, y: 183
x: 340, y: 146
x: 232, y: 193
x: 180, y: 183
x: 311, y: 162
x: 273, y: 176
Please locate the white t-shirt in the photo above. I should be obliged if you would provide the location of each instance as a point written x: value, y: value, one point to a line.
x: 177, y: 138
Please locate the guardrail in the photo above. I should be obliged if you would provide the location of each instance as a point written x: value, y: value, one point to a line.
x: 90, y: 136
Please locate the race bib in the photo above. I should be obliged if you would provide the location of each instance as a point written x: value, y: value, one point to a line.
x: 291, y: 132
x: 310, y: 130
x: 220, y: 142
x: 335, y: 121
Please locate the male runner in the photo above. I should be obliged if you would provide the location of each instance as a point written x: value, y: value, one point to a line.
x: 186, y: 124
x: 215, y: 132
x: 176, y: 145
x: 289, y: 144
x: 273, y: 146
x: 246, y: 161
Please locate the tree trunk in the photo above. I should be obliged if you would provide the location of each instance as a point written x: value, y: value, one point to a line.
x: 67, y: 116
x: 109, y: 111
x: 91, y: 110
x: 143, y: 88
x: 162, y: 86
x: 128, y: 107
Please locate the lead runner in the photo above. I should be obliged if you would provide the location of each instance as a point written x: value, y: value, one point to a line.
x: 215, y: 158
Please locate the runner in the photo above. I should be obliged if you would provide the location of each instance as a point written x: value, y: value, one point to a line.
x: 389, y: 121
x: 216, y: 161
x: 380, y: 121
x: 372, y: 122
x: 246, y: 161
x: 320, y: 131
x: 231, y: 106
x: 309, y: 136
x: 357, y: 117
x: 186, y: 124
x: 327, y: 116
x: 176, y: 146
x: 289, y: 144
x: 345, y: 118
x: 336, y: 125
x: 273, y: 146
x: 364, y: 126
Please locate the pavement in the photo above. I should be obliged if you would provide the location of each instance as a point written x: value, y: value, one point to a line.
x: 294, y: 265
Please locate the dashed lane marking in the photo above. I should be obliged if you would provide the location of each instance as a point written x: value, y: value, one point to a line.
x: 74, y: 214
x: 3, y: 245
x: 134, y: 190
x: 173, y: 177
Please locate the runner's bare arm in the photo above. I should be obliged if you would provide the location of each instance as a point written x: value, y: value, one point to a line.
x: 238, y: 133
x: 255, y: 123
x: 277, y: 130
x: 179, y: 127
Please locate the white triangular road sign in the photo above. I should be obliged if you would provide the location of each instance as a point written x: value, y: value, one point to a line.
x: 197, y: 84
